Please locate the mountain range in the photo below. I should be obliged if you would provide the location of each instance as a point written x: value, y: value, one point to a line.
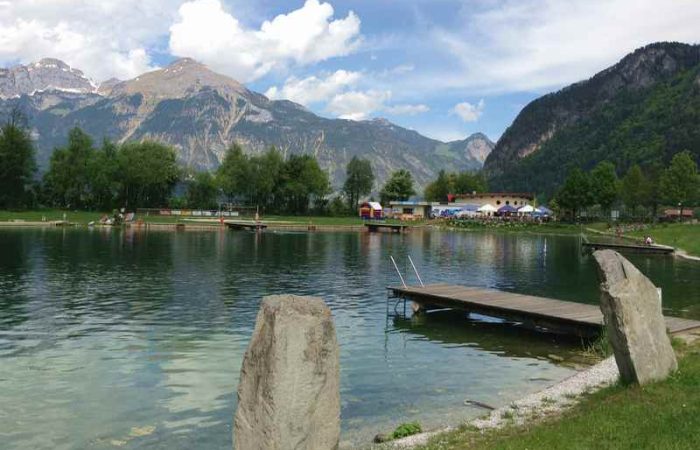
x: 642, y: 110
x: 201, y: 113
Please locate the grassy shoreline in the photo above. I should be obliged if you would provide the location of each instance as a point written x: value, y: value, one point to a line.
x: 85, y: 217
x: 682, y: 236
x: 663, y: 415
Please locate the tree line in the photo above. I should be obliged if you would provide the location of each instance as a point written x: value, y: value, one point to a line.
x: 641, y: 191
x: 82, y: 175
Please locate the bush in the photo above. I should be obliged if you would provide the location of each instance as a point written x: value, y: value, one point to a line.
x: 406, y: 429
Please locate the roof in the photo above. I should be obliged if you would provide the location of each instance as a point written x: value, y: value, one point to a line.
x: 526, y: 195
x: 374, y: 205
x: 409, y: 203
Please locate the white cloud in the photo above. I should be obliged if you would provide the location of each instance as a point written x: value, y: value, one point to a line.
x: 534, y: 44
x: 314, y: 89
x: 106, y: 38
x: 407, y: 109
x: 338, y: 91
x: 357, y: 105
x: 206, y: 32
x: 469, y: 112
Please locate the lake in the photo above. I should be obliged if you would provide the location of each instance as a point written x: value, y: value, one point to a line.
x: 134, y: 339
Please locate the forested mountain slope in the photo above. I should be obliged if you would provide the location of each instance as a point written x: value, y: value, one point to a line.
x: 643, y: 110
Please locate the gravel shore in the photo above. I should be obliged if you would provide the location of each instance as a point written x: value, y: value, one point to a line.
x: 549, y: 401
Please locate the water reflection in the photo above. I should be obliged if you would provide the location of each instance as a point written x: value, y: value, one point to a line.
x: 134, y: 338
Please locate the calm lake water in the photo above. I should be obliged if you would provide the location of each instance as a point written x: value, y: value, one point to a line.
x: 125, y: 339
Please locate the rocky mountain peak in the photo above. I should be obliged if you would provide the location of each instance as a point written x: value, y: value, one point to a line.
x: 44, y: 75
x: 476, y: 147
x: 180, y: 78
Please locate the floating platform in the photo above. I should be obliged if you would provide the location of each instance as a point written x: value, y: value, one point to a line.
x: 242, y: 225
x: 540, y: 313
x: 395, y: 228
x: 629, y: 248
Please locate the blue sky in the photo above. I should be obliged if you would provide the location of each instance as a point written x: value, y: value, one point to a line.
x: 445, y: 68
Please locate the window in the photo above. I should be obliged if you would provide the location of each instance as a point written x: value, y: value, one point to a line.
x: 507, y: 202
x: 515, y: 202
x: 498, y: 202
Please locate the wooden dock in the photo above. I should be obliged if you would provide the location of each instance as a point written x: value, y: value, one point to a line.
x: 546, y: 314
x: 629, y: 248
x: 395, y: 228
x: 243, y: 225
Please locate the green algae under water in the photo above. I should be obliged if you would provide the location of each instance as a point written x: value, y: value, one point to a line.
x: 127, y: 339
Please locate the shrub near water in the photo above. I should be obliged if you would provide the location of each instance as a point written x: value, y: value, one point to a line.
x: 406, y: 429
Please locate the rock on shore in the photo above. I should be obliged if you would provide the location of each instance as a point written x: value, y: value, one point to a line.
x: 288, y: 394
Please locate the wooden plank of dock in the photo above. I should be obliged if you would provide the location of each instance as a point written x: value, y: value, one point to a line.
x: 554, y: 315
x: 630, y: 248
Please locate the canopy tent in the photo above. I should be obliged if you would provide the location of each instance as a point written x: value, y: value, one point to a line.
x: 473, y: 208
x: 543, y: 210
x: 487, y: 208
x: 527, y: 209
x: 507, y: 209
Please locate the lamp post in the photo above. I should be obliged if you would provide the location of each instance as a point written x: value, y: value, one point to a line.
x: 680, y: 211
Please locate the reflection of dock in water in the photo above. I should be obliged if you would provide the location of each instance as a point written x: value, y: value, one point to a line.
x: 539, y: 313
x: 496, y: 337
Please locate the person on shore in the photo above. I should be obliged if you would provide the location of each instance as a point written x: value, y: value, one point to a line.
x: 648, y: 240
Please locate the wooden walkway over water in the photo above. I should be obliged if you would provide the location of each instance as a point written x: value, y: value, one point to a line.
x: 242, y: 225
x: 629, y: 248
x: 394, y: 227
x: 547, y: 314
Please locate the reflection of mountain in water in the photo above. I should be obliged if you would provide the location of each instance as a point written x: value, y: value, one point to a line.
x: 499, y: 338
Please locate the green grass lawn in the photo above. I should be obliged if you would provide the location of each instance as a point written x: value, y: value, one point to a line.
x: 79, y: 217
x: 663, y: 415
x: 683, y: 236
x: 680, y: 235
x: 84, y: 217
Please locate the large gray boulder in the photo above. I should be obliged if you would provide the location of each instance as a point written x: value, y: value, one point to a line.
x: 634, y: 321
x: 289, y: 391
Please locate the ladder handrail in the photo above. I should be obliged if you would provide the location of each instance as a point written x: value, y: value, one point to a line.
x: 397, y: 271
x: 416, y: 271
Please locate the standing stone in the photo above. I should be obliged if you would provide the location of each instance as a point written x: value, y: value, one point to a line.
x: 289, y: 391
x: 634, y: 321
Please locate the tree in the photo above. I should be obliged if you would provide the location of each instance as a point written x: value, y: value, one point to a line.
x: 467, y: 182
x: 202, y: 192
x: 264, y: 177
x: 576, y: 192
x: 233, y: 175
x: 149, y: 172
x: 604, y: 184
x: 17, y: 165
x: 679, y: 183
x: 633, y: 188
x: 68, y: 177
x: 438, y: 190
x: 398, y: 187
x: 359, y: 180
x: 302, y: 180
x: 104, y: 180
